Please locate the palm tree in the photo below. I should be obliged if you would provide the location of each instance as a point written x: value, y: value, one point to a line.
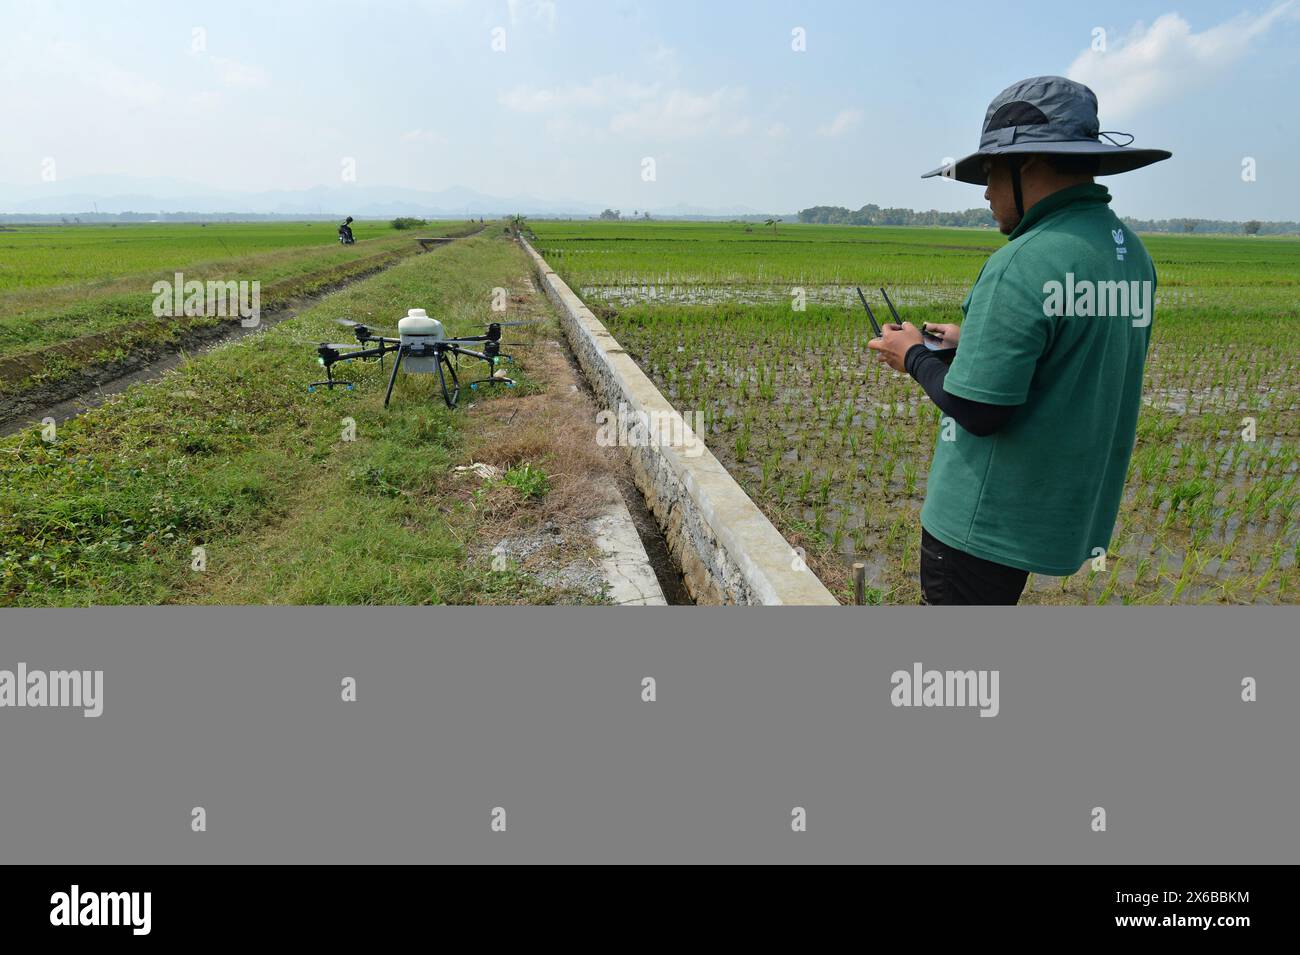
x: 772, y: 223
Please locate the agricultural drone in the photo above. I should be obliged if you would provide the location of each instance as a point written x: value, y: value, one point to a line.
x: 421, y: 347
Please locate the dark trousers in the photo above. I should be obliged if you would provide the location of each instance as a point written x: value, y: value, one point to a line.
x: 953, y: 577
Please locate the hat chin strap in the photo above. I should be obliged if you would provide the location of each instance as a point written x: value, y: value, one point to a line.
x: 1015, y: 186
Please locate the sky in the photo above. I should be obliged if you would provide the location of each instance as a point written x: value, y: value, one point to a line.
x: 566, y: 100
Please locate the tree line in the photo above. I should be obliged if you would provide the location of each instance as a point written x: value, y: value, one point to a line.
x: 872, y: 214
x: 1249, y: 227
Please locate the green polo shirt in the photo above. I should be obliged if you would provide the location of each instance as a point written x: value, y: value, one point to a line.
x: 1058, y: 322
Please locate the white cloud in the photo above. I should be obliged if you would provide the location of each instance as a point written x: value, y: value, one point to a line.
x: 1151, y: 65
x: 240, y: 76
x: 524, y: 99
x: 569, y: 129
x: 602, y: 91
x: 682, y: 113
x: 422, y: 136
x: 540, y: 10
x: 664, y: 60
x: 634, y: 109
x: 26, y: 64
x: 778, y: 130
x: 844, y: 120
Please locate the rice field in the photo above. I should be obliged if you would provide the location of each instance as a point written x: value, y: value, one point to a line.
x: 42, y: 256
x: 835, y: 448
x: 78, y: 301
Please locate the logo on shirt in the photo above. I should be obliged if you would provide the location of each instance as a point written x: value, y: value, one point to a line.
x: 1118, y: 236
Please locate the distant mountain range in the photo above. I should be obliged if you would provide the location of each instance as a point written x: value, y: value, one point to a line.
x: 111, y: 195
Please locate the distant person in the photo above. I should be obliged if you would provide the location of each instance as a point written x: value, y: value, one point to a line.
x: 345, y: 232
x: 1041, y: 403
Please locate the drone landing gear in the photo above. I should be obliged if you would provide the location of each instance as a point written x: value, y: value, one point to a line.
x: 449, y: 395
x: 329, y: 382
x: 508, y: 382
x: 452, y: 396
x: 397, y: 363
x: 493, y: 355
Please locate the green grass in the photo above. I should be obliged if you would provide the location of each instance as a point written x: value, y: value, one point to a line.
x: 835, y: 448
x: 47, y: 256
x: 594, y: 253
x: 231, y: 454
x: 51, y: 332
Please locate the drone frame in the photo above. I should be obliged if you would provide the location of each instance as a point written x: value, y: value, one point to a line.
x: 443, y: 351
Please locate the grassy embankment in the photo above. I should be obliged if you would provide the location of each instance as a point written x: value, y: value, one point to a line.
x: 75, y: 301
x: 231, y: 454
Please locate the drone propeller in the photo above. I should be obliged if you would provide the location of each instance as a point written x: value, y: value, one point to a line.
x: 481, y: 341
x: 351, y: 324
x: 500, y: 325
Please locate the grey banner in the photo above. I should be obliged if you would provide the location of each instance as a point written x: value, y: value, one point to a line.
x: 540, y: 712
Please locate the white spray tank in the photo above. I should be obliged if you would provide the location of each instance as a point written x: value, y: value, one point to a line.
x: 419, y: 331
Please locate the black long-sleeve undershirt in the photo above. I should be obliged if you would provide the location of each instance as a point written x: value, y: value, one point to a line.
x: 929, y: 368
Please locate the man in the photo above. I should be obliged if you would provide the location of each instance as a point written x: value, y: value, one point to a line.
x: 345, y: 232
x: 1041, y: 384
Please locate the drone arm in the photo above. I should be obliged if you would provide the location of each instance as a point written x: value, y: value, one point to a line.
x: 457, y: 350
x: 366, y: 353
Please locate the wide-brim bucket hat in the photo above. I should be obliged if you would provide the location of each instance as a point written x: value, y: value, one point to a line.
x: 1048, y: 115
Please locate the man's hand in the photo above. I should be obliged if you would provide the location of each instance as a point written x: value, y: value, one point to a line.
x: 948, y: 334
x: 893, y: 343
